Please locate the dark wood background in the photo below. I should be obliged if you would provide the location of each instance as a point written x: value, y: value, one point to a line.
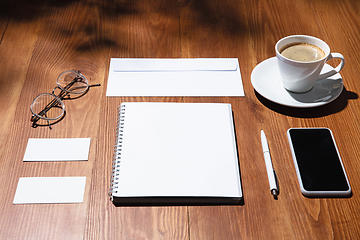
x: 42, y: 38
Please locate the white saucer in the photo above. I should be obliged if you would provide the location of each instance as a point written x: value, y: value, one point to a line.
x: 265, y: 79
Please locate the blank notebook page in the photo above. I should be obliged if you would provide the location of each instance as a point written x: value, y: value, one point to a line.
x: 178, y: 149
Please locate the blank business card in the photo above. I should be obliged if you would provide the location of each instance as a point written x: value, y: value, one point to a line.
x: 57, y: 149
x: 32, y: 190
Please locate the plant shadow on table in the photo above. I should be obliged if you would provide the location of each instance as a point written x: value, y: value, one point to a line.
x: 335, y: 106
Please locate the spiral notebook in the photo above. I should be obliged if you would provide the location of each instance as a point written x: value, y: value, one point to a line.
x: 175, y: 153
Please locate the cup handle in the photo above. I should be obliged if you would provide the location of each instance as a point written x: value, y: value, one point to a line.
x: 335, y: 70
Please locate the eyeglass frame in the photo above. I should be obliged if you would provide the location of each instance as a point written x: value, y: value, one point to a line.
x: 58, y: 99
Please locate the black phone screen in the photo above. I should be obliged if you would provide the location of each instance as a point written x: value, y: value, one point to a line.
x: 318, y: 160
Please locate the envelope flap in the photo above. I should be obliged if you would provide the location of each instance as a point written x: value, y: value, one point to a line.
x: 173, y: 64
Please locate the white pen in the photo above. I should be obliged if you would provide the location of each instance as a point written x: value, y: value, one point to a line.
x: 269, y: 168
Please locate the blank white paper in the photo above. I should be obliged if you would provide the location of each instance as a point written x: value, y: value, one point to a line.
x: 174, y: 77
x: 57, y: 149
x: 32, y: 190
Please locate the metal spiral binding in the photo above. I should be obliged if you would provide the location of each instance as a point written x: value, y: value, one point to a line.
x: 117, y: 151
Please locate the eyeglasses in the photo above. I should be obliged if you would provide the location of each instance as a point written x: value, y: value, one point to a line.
x: 50, y: 107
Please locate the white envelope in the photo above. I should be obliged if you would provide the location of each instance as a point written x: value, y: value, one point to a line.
x: 174, y: 77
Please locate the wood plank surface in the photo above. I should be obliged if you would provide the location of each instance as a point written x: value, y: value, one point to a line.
x: 40, y: 39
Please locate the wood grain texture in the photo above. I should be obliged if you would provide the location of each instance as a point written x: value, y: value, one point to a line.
x: 40, y: 39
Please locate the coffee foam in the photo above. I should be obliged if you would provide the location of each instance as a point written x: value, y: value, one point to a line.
x: 303, y: 52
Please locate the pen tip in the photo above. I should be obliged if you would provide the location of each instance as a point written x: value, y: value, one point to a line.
x: 274, y: 192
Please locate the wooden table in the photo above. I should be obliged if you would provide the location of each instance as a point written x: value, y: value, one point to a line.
x: 41, y: 39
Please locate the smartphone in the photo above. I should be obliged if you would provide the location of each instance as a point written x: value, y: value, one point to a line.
x: 317, y: 161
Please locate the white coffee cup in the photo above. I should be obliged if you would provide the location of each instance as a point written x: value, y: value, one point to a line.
x: 300, y: 76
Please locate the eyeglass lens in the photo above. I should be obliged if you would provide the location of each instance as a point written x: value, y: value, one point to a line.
x: 47, y: 106
x: 72, y: 82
